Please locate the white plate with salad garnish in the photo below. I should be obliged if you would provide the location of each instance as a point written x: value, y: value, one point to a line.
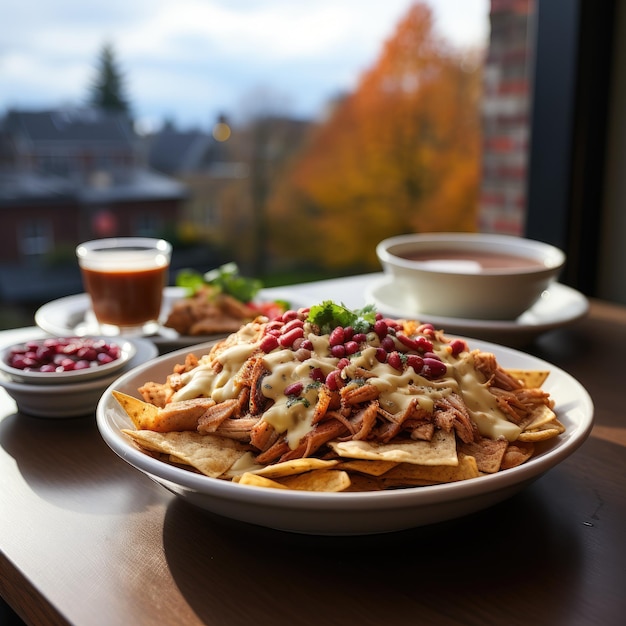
x: 74, y: 315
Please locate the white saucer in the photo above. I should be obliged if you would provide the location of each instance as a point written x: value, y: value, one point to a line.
x: 558, y: 306
x: 73, y: 315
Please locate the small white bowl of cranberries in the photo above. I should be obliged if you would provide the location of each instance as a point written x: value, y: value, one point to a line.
x: 64, y: 360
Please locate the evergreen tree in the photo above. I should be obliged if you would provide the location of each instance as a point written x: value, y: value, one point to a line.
x: 107, y: 90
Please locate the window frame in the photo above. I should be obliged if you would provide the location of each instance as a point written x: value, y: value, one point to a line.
x: 569, y: 122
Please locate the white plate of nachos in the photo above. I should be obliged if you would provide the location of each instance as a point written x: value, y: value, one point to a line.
x: 346, y: 511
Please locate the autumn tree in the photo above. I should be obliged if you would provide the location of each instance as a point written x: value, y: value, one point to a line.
x: 400, y: 154
x: 108, y: 89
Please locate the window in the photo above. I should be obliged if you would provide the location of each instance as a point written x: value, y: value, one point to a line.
x: 574, y: 52
x: 148, y: 225
x: 35, y: 238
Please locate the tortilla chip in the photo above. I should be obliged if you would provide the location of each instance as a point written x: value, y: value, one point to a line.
x: 255, y: 480
x: 318, y: 480
x: 440, y: 450
x: 487, y: 452
x: 143, y: 414
x: 371, y: 468
x: 182, y: 415
x: 540, y: 434
x: 540, y: 416
x: 176, y: 460
x: 246, y: 463
x: 532, y: 379
x: 517, y: 452
x: 362, y: 482
x: 409, y: 474
x: 209, y: 454
x: 295, y: 466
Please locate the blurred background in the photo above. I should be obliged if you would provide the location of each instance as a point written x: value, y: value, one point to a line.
x: 292, y: 137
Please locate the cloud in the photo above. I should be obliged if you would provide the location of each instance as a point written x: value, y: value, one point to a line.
x: 189, y: 59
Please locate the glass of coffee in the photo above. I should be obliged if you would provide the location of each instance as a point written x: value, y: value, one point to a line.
x: 124, y: 278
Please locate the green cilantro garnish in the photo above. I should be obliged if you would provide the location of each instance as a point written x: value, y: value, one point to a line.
x: 225, y: 278
x: 315, y: 384
x: 292, y: 400
x: 191, y: 280
x: 328, y: 315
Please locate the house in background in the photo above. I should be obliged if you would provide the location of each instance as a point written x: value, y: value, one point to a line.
x: 213, y: 167
x: 68, y: 175
x: 229, y: 173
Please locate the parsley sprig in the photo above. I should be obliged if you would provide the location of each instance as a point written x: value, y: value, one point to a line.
x: 328, y: 315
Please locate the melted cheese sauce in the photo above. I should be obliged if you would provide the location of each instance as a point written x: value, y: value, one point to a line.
x: 480, y: 402
x: 223, y: 385
x: 293, y: 415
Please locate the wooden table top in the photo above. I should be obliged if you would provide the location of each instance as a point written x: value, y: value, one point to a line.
x: 86, y: 539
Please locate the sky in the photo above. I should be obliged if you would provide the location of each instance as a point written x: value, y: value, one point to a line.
x: 188, y: 61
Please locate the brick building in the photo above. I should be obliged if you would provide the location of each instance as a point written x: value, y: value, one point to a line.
x: 69, y: 175
x: 506, y: 117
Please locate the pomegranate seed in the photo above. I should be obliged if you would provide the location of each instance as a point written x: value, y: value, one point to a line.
x: 416, y: 362
x: 424, y: 345
x: 317, y: 374
x: 334, y: 381
x: 87, y: 353
x: 351, y: 347
x: 388, y: 344
x: 395, y: 360
x: 268, y: 343
x: 338, y: 351
x: 433, y: 368
x: 291, y: 324
x: 286, y: 340
x: 337, y: 336
x: 411, y: 344
x: 289, y: 315
x: 380, y: 328
x: 457, y: 346
x: 44, y: 353
x: 295, y: 389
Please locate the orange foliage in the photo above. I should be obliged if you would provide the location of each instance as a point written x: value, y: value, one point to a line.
x: 401, y: 154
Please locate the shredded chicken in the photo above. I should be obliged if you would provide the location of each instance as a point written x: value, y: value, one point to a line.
x: 352, y: 411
